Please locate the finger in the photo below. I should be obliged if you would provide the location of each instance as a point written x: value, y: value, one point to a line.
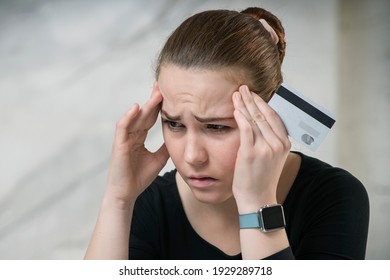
x: 240, y: 105
x: 272, y: 118
x: 268, y: 135
x: 262, y: 118
x: 245, y: 128
x: 122, y: 126
x: 161, y: 156
x: 254, y: 114
x: 156, y: 91
x: 250, y: 105
x: 153, y: 163
x: 152, y: 107
x: 266, y: 132
x: 149, y: 112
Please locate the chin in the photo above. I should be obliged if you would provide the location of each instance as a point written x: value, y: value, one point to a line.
x: 211, y: 197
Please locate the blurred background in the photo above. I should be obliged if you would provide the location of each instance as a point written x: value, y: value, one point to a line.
x: 70, y: 68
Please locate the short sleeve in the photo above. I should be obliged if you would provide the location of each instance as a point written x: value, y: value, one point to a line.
x: 334, y: 224
x: 285, y: 254
x: 144, y: 231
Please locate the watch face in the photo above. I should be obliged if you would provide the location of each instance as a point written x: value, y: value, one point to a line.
x: 272, y: 217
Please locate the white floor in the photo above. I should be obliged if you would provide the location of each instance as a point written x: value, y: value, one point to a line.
x: 70, y: 69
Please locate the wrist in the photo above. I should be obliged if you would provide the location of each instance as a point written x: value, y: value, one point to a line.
x: 114, y: 202
x: 267, y: 218
x: 254, y: 203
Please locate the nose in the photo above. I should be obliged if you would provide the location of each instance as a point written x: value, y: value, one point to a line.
x: 195, y: 152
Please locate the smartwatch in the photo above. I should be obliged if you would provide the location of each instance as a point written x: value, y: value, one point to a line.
x: 268, y: 218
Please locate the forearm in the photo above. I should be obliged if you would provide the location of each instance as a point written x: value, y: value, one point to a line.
x: 256, y: 245
x: 110, y: 239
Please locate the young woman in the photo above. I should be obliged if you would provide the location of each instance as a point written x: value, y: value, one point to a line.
x: 237, y: 190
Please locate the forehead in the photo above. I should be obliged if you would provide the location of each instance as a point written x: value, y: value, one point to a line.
x: 198, y: 89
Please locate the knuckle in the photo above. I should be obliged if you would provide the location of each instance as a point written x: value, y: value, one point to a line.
x: 248, y: 155
x: 279, y: 148
x: 264, y: 151
x: 288, y: 144
x: 272, y: 115
x: 259, y: 117
x: 246, y: 128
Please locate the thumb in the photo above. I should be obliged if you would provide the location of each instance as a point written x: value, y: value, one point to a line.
x: 161, y: 156
x: 155, y: 163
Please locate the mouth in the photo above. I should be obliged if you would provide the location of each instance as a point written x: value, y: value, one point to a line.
x: 200, y: 181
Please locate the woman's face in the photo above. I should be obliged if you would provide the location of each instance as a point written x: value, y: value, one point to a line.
x: 200, y: 132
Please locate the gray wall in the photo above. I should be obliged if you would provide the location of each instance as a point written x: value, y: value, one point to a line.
x: 364, y: 104
x: 70, y: 69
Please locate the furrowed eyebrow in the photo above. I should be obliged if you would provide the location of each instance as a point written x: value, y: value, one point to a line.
x: 213, y: 119
x: 172, y: 118
x: 199, y: 119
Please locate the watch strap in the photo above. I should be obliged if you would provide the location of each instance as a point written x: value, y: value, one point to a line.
x: 251, y: 220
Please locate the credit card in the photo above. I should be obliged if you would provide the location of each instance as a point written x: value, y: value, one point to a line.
x: 306, y: 122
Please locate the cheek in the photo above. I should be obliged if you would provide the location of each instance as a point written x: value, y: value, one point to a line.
x: 227, y: 153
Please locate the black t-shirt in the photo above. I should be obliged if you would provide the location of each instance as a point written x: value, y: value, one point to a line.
x: 326, y: 211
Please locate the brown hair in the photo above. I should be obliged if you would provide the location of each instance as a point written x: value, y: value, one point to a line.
x: 237, y: 41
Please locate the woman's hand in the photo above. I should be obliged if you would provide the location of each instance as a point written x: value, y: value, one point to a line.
x: 132, y: 169
x: 132, y: 166
x: 264, y: 147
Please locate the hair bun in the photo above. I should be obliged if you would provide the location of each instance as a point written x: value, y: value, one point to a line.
x: 274, y: 22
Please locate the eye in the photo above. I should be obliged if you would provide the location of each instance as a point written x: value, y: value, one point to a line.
x: 172, y: 124
x: 217, y: 127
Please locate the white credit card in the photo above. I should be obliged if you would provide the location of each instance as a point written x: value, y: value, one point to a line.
x: 306, y: 122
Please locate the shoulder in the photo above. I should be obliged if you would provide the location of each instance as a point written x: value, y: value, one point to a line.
x: 168, y: 179
x: 323, y: 190
x: 162, y: 188
x: 319, y: 177
x: 159, y: 202
x: 327, y: 212
x: 153, y: 207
